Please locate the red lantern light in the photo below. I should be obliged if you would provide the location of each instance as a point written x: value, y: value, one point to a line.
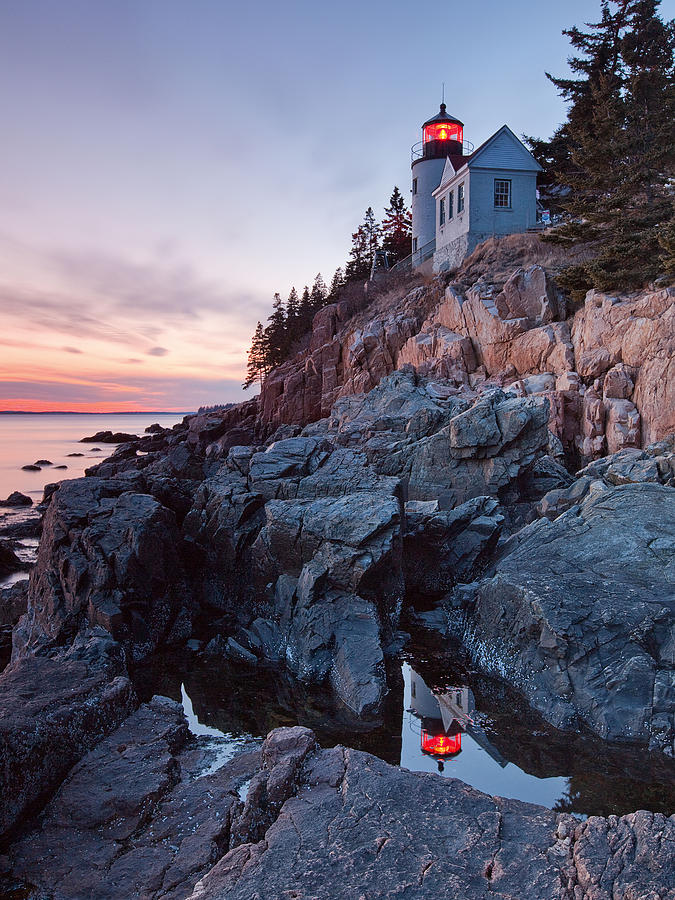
x: 443, y: 131
x: 441, y: 744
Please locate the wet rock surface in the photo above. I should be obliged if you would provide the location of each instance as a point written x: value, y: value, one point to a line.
x: 13, y: 604
x: 108, y: 556
x: 9, y: 561
x: 355, y: 826
x: 16, y: 498
x: 136, y: 817
x: 52, y: 710
x: 109, y: 437
x: 321, y: 823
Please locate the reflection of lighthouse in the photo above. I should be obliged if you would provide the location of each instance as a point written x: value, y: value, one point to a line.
x: 443, y: 716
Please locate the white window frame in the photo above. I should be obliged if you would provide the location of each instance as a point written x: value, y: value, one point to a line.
x: 441, y: 212
x: 501, y: 193
x: 451, y: 205
x: 460, y: 199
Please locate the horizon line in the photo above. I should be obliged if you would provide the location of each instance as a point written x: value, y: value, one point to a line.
x: 114, y: 412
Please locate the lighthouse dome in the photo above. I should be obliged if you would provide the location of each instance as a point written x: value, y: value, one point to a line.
x: 442, y: 135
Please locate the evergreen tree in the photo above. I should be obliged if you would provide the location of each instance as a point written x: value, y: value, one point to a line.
x: 397, y: 228
x: 275, y: 333
x: 621, y: 140
x: 292, y: 319
x: 319, y: 294
x: 372, y: 231
x: 256, y: 367
x: 365, y: 241
x: 358, y: 267
x: 305, y: 312
x: 336, y: 286
x: 667, y: 245
x: 555, y: 158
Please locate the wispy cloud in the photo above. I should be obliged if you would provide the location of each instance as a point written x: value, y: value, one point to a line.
x: 91, y: 324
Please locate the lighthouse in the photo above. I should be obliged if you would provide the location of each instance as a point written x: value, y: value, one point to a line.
x: 442, y: 137
x: 462, y: 197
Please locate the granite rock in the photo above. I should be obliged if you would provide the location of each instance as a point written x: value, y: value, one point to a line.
x: 579, y: 615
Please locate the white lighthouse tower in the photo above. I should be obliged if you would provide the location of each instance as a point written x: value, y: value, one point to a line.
x: 442, y: 136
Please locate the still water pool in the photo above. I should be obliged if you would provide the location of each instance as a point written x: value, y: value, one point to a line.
x: 497, y: 745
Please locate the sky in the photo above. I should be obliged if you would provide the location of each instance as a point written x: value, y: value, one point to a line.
x: 167, y: 165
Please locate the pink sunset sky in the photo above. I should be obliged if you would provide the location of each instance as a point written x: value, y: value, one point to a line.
x: 168, y: 165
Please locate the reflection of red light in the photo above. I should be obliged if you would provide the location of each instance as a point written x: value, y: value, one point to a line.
x: 441, y: 744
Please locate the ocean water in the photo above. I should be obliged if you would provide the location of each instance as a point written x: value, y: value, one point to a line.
x: 25, y: 438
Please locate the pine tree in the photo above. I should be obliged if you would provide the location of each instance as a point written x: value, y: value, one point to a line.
x: 305, y: 312
x: 275, y: 333
x: 397, y: 228
x: 365, y: 241
x: 292, y: 319
x: 358, y: 267
x: 318, y: 294
x: 667, y: 245
x: 256, y: 367
x: 621, y: 139
x: 372, y: 231
x: 336, y: 286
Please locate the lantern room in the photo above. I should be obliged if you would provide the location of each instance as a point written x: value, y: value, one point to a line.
x: 441, y: 136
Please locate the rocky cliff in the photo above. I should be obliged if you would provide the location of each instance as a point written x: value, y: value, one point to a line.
x: 607, y: 369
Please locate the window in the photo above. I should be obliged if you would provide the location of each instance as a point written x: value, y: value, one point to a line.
x: 414, y: 245
x: 441, y: 213
x: 451, y: 204
x: 414, y: 185
x: 460, y: 199
x: 502, y: 193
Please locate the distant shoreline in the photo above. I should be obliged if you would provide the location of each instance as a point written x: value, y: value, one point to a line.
x: 121, y: 412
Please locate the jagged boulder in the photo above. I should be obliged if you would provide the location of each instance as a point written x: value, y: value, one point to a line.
x: 108, y: 556
x: 346, y: 555
x: 444, y: 446
x: 220, y: 527
x: 580, y: 615
x: 52, y: 711
x: 314, y: 578
x: 443, y: 547
x: 631, y: 466
x: 349, y: 825
x: 16, y: 498
x: 138, y: 816
x: 629, y: 340
x: 9, y: 561
x: 480, y: 452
